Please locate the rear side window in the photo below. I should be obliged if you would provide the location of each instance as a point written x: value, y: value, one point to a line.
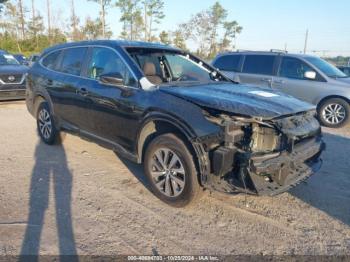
x: 72, y: 60
x: 228, y: 63
x: 259, y: 64
x: 51, y: 60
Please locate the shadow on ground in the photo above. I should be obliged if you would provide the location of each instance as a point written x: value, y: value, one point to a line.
x: 50, y: 164
x: 329, y: 189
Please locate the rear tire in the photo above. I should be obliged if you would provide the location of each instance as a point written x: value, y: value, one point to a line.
x: 170, y: 169
x: 47, y: 129
x: 334, y: 112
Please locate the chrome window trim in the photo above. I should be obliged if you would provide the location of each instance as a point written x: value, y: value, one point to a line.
x: 83, y: 77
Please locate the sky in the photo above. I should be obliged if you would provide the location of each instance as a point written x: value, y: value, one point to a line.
x: 267, y: 24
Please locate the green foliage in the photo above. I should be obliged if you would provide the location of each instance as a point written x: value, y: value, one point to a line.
x: 209, y: 28
x: 131, y: 19
x: 154, y: 13
x: 164, y: 38
x: 339, y: 60
x: 211, y: 31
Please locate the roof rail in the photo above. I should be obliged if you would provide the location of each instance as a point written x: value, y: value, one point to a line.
x: 243, y: 50
x: 278, y: 51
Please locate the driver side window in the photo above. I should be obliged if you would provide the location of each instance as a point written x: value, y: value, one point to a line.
x: 294, y: 68
x: 105, y: 61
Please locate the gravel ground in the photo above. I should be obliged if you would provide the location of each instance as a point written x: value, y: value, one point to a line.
x: 80, y: 198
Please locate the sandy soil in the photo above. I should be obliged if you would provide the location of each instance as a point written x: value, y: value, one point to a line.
x: 80, y: 198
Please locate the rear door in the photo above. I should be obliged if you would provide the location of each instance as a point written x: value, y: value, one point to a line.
x: 66, y: 87
x: 258, y: 69
x: 229, y: 64
x: 290, y: 79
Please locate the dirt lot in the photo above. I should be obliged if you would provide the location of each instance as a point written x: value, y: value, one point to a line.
x: 81, y: 198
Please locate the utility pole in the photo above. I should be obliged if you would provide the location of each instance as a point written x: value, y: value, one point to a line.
x: 285, y: 47
x: 74, y: 22
x: 306, y: 39
x: 48, y: 19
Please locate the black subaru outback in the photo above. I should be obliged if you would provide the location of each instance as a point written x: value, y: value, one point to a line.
x: 189, y: 125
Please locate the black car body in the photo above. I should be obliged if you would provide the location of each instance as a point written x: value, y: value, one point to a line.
x: 12, y: 78
x: 241, y: 138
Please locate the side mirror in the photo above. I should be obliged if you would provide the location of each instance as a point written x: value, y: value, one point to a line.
x: 112, y: 80
x: 310, y: 75
x: 236, y: 79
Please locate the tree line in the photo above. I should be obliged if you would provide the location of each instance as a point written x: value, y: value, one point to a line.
x: 23, y: 29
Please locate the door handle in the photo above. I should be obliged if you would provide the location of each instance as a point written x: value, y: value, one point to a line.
x: 267, y: 80
x: 83, y: 91
x: 279, y: 81
x: 49, y: 82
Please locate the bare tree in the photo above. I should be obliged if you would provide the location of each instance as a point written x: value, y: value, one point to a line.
x: 104, y: 4
x: 153, y: 13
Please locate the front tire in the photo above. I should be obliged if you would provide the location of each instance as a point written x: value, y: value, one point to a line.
x: 334, y: 113
x: 47, y: 129
x: 170, y: 169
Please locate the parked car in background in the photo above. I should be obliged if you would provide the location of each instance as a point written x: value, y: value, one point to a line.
x: 306, y: 77
x: 32, y: 59
x: 345, y: 69
x: 187, y: 123
x: 12, y: 78
x: 21, y: 59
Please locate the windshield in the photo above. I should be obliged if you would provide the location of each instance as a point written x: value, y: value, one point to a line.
x: 6, y: 59
x: 167, y: 67
x: 326, y: 67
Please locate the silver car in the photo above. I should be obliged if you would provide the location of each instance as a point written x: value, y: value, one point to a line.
x: 306, y: 77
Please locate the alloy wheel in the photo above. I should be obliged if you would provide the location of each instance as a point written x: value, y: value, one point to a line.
x: 45, y: 124
x: 168, y: 172
x: 334, y: 113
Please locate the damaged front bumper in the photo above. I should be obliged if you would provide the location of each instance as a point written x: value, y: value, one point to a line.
x: 269, y: 174
x: 266, y: 158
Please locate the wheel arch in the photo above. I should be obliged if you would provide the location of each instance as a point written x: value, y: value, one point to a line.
x: 160, y: 124
x: 321, y: 101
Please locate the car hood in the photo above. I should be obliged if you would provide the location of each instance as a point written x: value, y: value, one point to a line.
x: 240, y: 99
x: 13, y: 69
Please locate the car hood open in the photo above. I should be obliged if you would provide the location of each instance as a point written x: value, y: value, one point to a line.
x: 240, y: 99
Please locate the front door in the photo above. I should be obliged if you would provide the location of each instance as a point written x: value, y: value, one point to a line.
x: 291, y: 80
x: 113, y: 110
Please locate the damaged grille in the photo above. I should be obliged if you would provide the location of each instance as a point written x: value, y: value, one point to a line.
x: 265, y: 139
